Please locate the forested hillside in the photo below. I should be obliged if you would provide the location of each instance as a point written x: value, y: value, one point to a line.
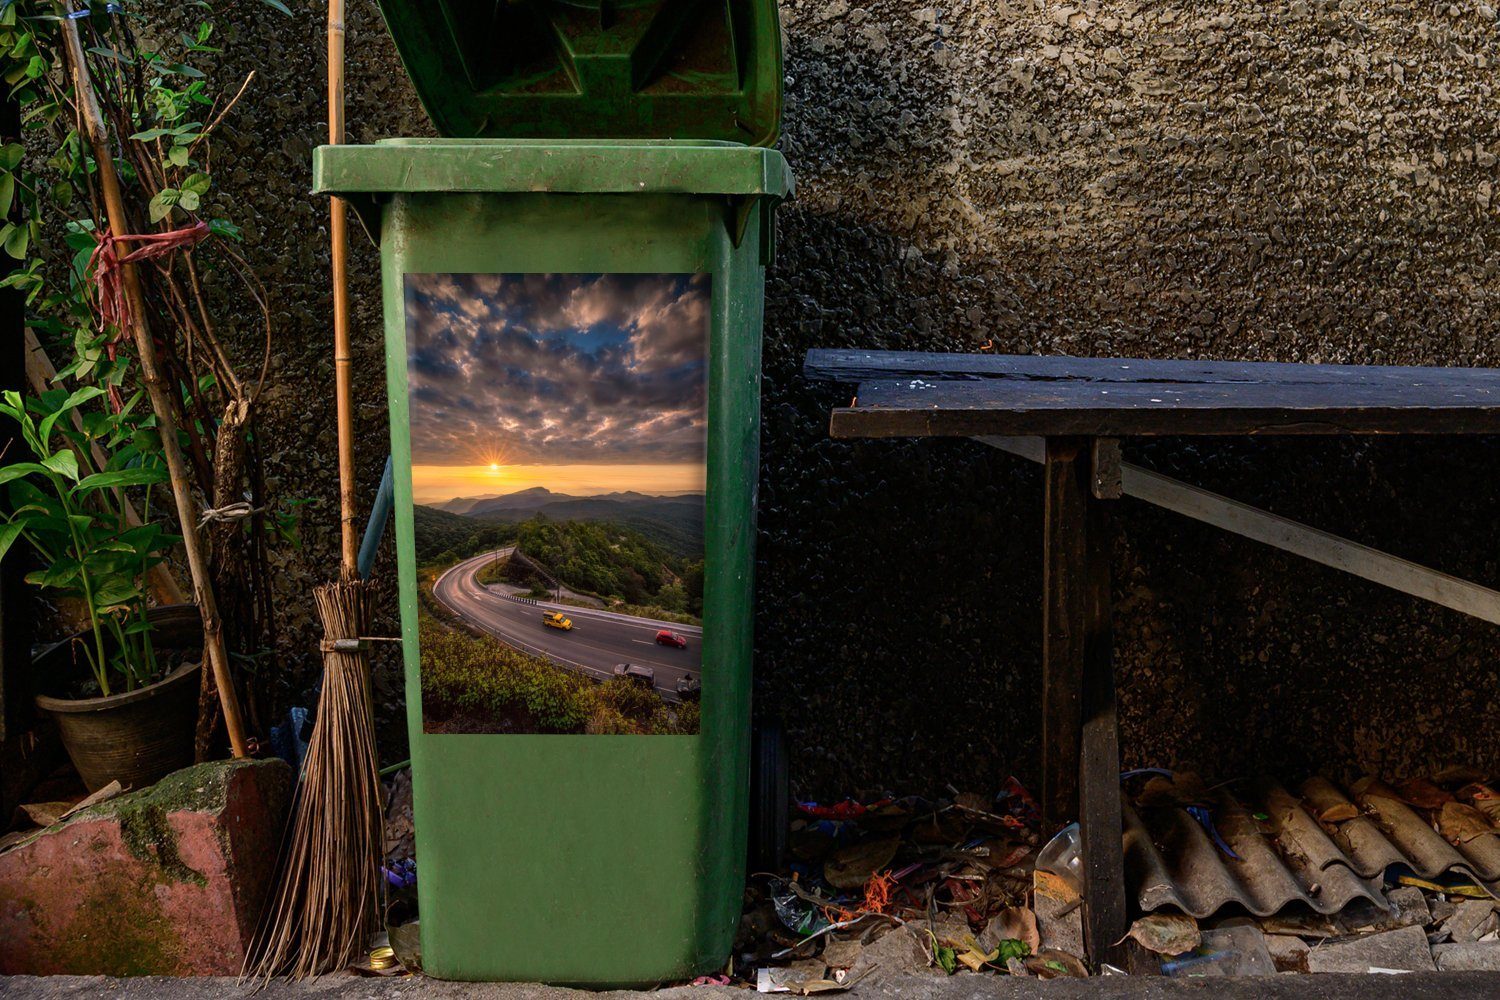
x: 614, y: 561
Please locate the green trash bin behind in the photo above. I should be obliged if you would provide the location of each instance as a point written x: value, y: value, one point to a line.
x: 573, y: 292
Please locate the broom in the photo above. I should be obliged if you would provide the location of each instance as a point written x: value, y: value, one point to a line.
x: 327, y: 900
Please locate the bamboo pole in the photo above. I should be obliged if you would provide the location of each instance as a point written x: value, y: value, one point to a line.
x: 40, y: 372
x: 161, y: 402
x: 343, y: 361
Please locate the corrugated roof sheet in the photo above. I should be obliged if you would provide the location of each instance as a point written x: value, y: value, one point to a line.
x: 1323, y: 848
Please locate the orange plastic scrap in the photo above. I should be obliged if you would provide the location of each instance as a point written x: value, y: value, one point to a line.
x: 879, y: 891
x: 877, y: 900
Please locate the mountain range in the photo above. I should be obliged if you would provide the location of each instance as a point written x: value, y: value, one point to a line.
x: 672, y: 521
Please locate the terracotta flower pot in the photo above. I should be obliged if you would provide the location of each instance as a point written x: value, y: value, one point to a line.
x: 136, y: 737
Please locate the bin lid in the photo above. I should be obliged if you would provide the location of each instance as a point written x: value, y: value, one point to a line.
x: 633, y: 166
x: 647, y: 69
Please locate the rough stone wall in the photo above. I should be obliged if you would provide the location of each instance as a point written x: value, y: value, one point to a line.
x: 1298, y: 181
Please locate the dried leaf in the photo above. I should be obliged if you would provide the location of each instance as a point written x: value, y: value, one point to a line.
x: 1158, y: 791
x: 1459, y: 823
x: 1339, y: 812
x: 1484, y: 798
x: 852, y: 866
x: 1326, y: 802
x: 45, y: 813
x: 1370, y: 787
x: 1053, y: 964
x: 1457, y: 774
x: 1166, y: 933
x: 1016, y: 923
x: 1423, y: 794
x: 104, y: 794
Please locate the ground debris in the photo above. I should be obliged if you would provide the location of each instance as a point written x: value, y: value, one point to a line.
x: 1403, y: 950
x: 884, y: 885
x: 1471, y: 956
x: 1166, y: 933
x: 1471, y: 920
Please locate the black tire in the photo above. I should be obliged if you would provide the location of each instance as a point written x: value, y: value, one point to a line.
x: 770, y: 796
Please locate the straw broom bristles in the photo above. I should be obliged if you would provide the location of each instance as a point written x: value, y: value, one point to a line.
x: 328, y: 894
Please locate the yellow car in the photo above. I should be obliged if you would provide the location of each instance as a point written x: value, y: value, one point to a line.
x: 555, y: 619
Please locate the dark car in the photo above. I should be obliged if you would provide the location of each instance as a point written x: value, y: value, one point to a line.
x: 688, y: 688
x: 666, y: 637
x: 637, y: 673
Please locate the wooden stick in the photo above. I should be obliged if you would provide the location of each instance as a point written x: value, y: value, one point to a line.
x: 338, y: 231
x: 1064, y: 627
x: 156, y: 388
x: 1283, y: 533
x: 40, y: 372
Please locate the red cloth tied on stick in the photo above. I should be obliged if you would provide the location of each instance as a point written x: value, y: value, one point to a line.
x: 107, y: 265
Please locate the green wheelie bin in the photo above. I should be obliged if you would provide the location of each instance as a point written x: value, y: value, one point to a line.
x: 573, y: 283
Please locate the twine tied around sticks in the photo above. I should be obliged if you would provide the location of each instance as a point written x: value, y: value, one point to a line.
x: 230, y: 512
x: 107, y: 263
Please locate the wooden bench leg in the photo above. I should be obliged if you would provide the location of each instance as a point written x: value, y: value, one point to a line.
x: 1064, y: 586
x: 1100, y: 823
x: 1080, y: 735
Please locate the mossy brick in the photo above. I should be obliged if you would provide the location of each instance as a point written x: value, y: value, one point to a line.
x: 169, y: 880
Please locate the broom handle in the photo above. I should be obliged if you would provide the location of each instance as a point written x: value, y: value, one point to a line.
x: 338, y: 233
x: 145, y: 346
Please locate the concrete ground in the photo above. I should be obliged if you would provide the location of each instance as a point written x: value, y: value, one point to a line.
x: 1418, y: 986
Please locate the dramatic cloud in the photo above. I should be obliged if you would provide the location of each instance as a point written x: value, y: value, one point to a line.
x: 557, y: 368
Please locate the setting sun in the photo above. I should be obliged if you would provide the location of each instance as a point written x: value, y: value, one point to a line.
x: 436, y: 483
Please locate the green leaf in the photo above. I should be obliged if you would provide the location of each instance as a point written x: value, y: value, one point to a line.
x: 1010, y: 948
x: 7, y: 192
x: 80, y: 235
x: 64, y: 463
x: 17, y: 240
x: 188, y: 201
x: 9, y: 532
x: 11, y: 155
x: 223, y: 227
x: 277, y: 5
x: 58, y: 574
x: 198, y: 183
x: 177, y: 156
x: 78, y: 397
x: 121, y: 477
x: 20, y: 469
x: 118, y: 591
x: 161, y: 205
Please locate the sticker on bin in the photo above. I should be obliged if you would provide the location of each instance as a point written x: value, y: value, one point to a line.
x: 558, y: 443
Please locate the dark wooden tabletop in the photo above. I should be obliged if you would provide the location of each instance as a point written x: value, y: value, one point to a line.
x: 901, y: 394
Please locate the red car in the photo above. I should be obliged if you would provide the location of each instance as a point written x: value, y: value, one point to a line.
x: 666, y: 637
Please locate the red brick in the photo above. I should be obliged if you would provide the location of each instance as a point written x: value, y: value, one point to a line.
x: 169, y: 880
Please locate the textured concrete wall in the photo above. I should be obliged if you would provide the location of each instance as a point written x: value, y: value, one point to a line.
x: 1296, y: 181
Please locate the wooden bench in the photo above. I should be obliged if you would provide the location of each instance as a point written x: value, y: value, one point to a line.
x: 1069, y: 414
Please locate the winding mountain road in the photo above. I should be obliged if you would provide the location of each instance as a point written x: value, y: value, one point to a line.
x: 597, y: 641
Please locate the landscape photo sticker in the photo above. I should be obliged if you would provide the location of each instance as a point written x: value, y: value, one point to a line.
x: 558, y: 437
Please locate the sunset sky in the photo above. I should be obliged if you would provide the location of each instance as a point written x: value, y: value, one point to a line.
x: 580, y: 383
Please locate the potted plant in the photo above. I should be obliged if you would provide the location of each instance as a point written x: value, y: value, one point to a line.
x: 124, y: 700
